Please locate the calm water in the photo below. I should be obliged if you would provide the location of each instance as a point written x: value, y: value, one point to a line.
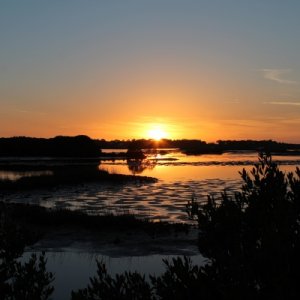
x: 179, y: 177
x: 176, y: 166
x: 72, y: 270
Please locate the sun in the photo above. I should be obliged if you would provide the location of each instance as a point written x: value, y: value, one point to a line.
x: 157, y: 133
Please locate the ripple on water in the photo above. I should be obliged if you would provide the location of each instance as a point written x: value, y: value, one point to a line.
x: 159, y: 201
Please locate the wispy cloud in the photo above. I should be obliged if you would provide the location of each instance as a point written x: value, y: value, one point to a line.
x: 276, y: 75
x: 258, y: 121
x: 23, y: 111
x: 283, y: 103
x: 233, y: 101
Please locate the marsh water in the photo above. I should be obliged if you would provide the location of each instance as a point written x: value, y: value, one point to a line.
x: 179, y: 178
x: 73, y: 269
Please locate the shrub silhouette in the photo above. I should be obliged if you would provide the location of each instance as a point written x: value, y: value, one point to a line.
x: 183, y: 280
x: 31, y: 281
x: 28, y: 281
x: 252, y: 238
x: 127, y: 286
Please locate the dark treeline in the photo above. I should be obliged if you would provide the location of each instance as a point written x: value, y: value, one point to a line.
x: 149, y: 144
x: 194, y: 146
x: 83, y: 146
x: 60, y: 146
x: 254, y: 145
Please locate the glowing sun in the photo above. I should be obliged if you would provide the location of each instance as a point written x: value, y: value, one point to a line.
x: 157, y: 133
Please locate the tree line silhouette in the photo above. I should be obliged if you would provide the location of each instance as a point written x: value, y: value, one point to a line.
x: 60, y: 146
x: 83, y: 146
x: 191, y: 146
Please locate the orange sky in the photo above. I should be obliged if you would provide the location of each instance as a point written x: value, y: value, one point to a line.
x: 114, y: 70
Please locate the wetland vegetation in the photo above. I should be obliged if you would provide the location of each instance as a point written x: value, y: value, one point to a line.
x: 69, y: 175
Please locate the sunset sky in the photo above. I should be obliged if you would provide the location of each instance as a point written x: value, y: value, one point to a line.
x: 121, y: 69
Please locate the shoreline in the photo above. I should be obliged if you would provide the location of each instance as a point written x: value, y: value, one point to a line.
x: 111, y: 235
x: 115, y: 243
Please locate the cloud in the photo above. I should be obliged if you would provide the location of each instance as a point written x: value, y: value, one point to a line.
x: 23, y: 111
x: 233, y: 101
x: 294, y: 121
x: 276, y: 75
x: 255, y: 122
x: 283, y: 103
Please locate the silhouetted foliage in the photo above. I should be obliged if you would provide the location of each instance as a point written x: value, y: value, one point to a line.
x: 252, y: 238
x: 138, y: 166
x: 194, y: 146
x: 83, y: 146
x: 28, y: 281
x: 135, y: 154
x: 264, y: 145
x: 127, y: 286
x: 60, y: 146
x: 183, y: 280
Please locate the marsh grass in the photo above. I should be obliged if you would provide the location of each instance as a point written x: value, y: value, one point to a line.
x: 71, y: 175
x: 39, y: 218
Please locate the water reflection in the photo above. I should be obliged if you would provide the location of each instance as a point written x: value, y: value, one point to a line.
x: 174, y: 165
x: 179, y: 177
x: 138, y: 166
x: 15, y: 175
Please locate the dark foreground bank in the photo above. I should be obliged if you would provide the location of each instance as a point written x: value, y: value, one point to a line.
x: 69, y: 175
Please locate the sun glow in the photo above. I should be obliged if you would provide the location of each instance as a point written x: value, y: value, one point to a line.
x: 157, y: 133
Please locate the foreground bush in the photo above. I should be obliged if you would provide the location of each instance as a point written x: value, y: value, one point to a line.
x: 127, y: 286
x: 252, y: 238
x: 20, y: 281
x: 181, y: 280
